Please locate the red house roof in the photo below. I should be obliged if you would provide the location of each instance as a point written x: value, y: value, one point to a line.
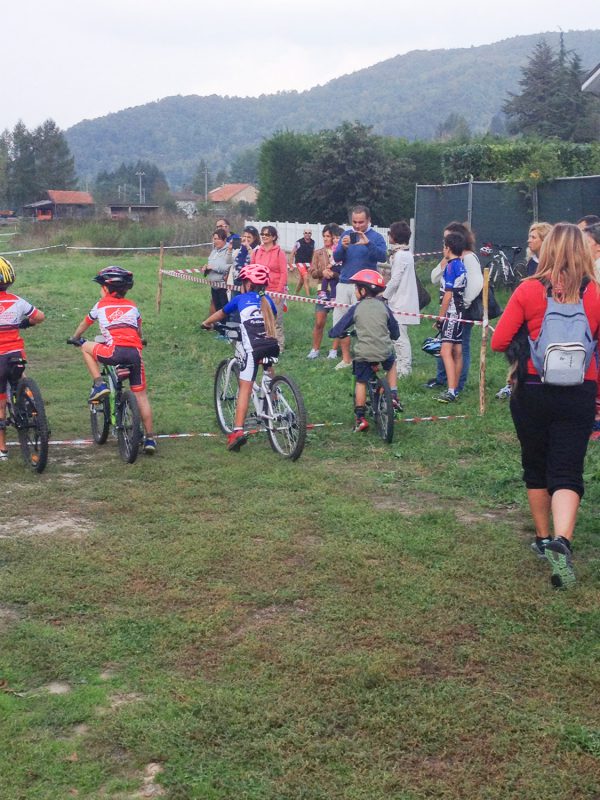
x: 226, y: 192
x: 70, y: 198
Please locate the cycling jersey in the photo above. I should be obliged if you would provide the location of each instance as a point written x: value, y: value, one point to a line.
x: 254, y: 343
x: 13, y: 310
x: 119, y: 320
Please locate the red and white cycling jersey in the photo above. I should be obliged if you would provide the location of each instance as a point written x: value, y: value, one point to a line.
x: 119, y: 320
x: 13, y: 310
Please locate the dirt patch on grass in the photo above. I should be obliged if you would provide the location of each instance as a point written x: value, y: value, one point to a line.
x: 264, y: 617
x: 8, y: 616
x: 411, y: 504
x: 55, y: 524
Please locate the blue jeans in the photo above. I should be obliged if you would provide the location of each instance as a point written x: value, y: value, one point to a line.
x: 466, y: 353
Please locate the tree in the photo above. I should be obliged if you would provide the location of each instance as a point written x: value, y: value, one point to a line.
x: 280, y: 176
x: 124, y: 184
x: 454, y: 128
x: 23, y: 186
x: 244, y: 167
x: 4, y: 160
x: 551, y: 103
x: 200, y: 181
x: 54, y: 164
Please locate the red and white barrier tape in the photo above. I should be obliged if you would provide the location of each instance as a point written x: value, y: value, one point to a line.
x: 188, y: 275
x: 310, y: 426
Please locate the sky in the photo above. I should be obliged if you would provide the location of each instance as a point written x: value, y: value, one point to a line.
x: 71, y: 60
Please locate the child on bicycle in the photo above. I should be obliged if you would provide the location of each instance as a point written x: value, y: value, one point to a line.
x: 375, y: 328
x: 121, y: 327
x: 257, y: 339
x: 15, y: 313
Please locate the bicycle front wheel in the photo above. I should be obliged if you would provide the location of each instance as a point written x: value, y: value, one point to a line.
x: 129, y: 427
x: 100, y: 419
x: 32, y: 425
x: 287, y: 429
x: 227, y: 385
x: 384, y: 410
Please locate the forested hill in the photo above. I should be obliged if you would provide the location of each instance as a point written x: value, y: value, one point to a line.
x: 408, y: 95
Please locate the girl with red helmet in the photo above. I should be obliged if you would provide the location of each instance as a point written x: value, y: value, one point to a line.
x: 375, y: 328
x: 257, y: 338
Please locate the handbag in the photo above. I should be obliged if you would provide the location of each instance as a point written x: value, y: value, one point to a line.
x: 424, y: 296
x: 475, y: 310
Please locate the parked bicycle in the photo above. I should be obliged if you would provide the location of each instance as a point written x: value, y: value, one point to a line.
x: 276, y: 403
x: 505, y: 271
x: 118, y: 411
x: 26, y: 412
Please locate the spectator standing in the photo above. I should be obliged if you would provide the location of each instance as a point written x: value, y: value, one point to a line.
x: 454, y: 282
x: 269, y: 254
x: 473, y: 288
x: 301, y: 256
x: 537, y: 233
x: 324, y: 269
x: 249, y: 241
x: 232, y: 238
x: 401, y: 293
x: 219, y: 262
x: 592, y: 238
x: 553, y: 423
x: 359, y: 248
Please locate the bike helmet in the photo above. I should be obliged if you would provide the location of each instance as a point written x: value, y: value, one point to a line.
x: 486, y: 249
x: 255, y: 273
x: 432, y: 345
x: 7, y: 272
x: 369, y: 278
x: 115, y: 278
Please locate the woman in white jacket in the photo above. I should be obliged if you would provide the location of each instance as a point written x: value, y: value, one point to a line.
x: 401, y: 293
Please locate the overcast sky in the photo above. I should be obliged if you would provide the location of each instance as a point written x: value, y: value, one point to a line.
x: 72, y: 59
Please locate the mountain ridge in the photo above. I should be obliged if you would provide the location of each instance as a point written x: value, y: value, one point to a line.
x: 407, y: 95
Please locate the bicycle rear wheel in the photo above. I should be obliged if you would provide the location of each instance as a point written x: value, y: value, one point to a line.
x: 129, y: 427
x: 100, y: 419
x: 287, y: 429
x: 383, y: 410
x: 32, y: 425
x: 227, y: 384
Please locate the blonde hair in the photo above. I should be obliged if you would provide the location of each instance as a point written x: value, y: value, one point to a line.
x: 564, y: 261
x: 542, y: 229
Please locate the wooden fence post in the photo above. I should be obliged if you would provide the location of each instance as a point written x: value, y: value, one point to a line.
x: 484, y: 335
x: 161, y: 261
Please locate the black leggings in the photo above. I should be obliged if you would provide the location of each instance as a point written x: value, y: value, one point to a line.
x: 553, y: 424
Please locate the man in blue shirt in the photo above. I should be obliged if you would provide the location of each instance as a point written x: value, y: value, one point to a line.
x: 359, y: 248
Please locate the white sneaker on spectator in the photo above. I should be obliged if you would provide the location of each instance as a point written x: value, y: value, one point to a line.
x: 332, y: 355
x: 343, y: 364
x: 313, y: 354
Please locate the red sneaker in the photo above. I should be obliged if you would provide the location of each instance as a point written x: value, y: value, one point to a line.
x: 361, y: 424
x: 236, y: 439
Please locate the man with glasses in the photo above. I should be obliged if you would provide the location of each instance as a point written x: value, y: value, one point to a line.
x: 233, y: 239
x: 301, y: 256
x: 359, y: 248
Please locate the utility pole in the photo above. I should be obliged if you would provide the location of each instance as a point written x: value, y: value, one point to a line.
x: 140, y: 176
x: 206, y: 183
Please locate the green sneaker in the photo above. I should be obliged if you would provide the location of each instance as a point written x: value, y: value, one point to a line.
x: 561, y: 561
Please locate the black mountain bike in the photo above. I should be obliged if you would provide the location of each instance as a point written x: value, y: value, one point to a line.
x: 26, y: 412
x: 505, y: 271
x: 118, y: 411
x: 380, y: 405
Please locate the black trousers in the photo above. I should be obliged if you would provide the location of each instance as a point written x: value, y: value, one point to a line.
x: 553, y: 424
x: 219, y: 298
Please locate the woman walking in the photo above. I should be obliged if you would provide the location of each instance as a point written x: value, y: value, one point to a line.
x: 553, y: 423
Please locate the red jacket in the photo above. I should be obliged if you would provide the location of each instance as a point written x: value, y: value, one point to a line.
x: 276, y: 261
x: 528, y: 304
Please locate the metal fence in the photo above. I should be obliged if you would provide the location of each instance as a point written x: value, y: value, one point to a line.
x: 501, y: 212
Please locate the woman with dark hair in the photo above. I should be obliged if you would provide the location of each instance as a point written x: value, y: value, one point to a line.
x: 217, y: 268
x: 269, y: 254
x: 553, y: 422
x: 249, y: 241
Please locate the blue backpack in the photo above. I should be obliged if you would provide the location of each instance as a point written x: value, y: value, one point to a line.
x: 564, y: 348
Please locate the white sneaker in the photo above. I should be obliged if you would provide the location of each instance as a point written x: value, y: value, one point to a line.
x: 332, y: 355
x: 3, y: 455
x: 343, y: 365
x: 313, y: 354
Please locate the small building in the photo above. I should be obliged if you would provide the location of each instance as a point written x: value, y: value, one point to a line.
x: 187, y: 202
x: 231, y: 193
x: 59, y: 204
x: 133, y: 211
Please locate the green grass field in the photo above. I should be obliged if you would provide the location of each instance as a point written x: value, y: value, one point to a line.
x: 365, y: 623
